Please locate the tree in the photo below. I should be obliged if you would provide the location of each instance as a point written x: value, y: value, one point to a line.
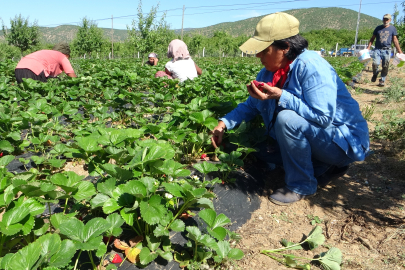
x: 196, y: 44
x: 89, y: 38
x: 399, y: 23
x: 21, y: 34
x: 146, y: 34
x: 224, y: 42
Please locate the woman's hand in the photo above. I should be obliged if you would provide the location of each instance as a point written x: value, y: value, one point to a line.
x: 168, y: 72
x: 199, y: 70
x: 269, y: 92
x: 218, y: 133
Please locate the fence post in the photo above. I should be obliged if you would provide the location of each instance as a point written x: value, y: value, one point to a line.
x: 336, y: 49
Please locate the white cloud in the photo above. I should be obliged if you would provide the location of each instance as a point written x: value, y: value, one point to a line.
x: 249, y: 14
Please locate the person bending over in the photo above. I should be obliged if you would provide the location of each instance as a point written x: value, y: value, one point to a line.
x: 45, y: 64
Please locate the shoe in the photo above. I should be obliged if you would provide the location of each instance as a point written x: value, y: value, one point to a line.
x: 374, y: 78
x: 284, y: 196
x: 382, y: 83
x: 331, y: 174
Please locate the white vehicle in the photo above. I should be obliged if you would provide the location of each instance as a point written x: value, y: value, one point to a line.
x: 362, y: 45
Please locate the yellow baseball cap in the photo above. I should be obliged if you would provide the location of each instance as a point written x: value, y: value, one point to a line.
x: 272, y: 27
x: 387, y: 16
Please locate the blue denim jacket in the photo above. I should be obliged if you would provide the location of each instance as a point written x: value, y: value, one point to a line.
x: 314, y: 91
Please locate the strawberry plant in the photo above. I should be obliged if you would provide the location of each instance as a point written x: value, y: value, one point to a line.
x: 332, y: 259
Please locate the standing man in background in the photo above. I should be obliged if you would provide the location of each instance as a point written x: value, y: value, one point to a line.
x: 385, y: 34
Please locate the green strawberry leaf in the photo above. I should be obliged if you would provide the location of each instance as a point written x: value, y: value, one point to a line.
x: 152, y: 210
x: 315, y: 238
x: 167, y: 255
x: 49, y: 243
x: 102, y: 249
x: 146, y: 256
x: 26, y: 257
x: 209, y: 241
x: 128, y: 217
x: 107, y: 187
x: 4, y: 161
x: 219, y: 233
x: 161, y: 231
x: 91, y: 244
x: 205, y: 167
x: 136, y: 188
x: 332, y: 259
x: 88, y: 144
x: 223, y: 249
x: 153, y: 242
x: 149, y: 183
x: 117, y: 172
x: 220, y: 221
x: 72, y: 228
x: 208, y: 215
x: 174, y: 189
x: 235, y: 254
x: 98, y: 200
x: 59, y: 218
x: 194, y: 233
x: 94, y: 228
x: 178, y: 225
x: 205, y: 203
x: 6, y: 146
x: 115, y: 222
x: 84, y: 190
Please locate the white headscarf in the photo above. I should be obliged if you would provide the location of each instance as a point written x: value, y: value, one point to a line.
x: 177, y: 50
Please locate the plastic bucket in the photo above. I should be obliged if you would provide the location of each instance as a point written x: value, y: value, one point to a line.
x: 364, y: 55
x: 399, y: 60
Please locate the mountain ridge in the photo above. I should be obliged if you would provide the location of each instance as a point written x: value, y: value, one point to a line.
x: 310, y: 19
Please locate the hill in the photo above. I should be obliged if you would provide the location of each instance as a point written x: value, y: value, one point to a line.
x: 66, y: 33
x: 310, y: 19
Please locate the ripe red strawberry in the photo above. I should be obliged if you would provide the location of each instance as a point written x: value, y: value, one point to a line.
x: 1, y: 154
x: 116, y: 259
x: 203, y: 156
x: 259, y: 85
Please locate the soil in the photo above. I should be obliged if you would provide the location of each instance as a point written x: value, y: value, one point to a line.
x: 361, y: 213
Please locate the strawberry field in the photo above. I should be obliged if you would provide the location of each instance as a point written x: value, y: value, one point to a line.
x: 142, y: 142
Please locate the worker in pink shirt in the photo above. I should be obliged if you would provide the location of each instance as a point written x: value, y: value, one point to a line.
x: 45, y: 64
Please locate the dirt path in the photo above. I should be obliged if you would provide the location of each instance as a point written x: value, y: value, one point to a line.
x: 361, y: 213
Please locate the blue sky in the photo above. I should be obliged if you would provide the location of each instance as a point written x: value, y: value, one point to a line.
x: 197, y: 13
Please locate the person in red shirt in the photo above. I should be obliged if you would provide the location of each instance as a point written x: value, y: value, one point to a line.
x: 45, y: 64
